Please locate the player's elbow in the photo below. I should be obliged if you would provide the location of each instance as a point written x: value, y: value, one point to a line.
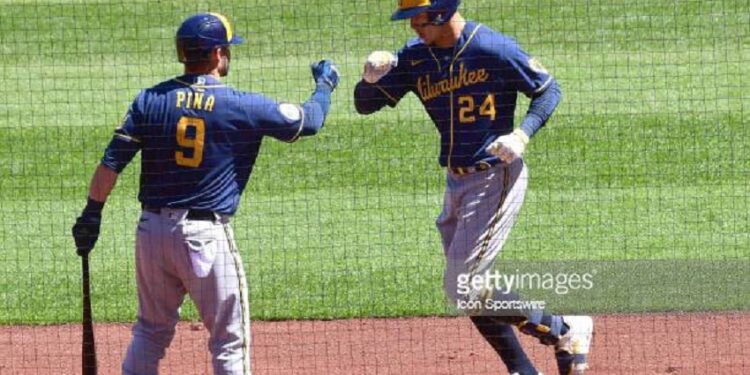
x: 362, y: 107
x: 311, y: 130
x: 548, y: 98
x: 314, y: 121
x: 555, y: 94
x: 110, y: 167
x: 555, y: 89
x: 366, y: 100
x: 367, y: 105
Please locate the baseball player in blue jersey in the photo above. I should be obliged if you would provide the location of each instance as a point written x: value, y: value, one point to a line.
x: 468, y: 77
x: 199, y: 140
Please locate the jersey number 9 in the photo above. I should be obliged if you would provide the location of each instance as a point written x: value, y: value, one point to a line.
x: 194, y: 141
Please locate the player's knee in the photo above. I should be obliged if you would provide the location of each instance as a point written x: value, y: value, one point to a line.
x: 461, y: 295
x: 154, y: 335
x: 454, y: 285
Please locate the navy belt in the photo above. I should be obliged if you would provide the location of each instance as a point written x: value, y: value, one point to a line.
x: 478, y: 167
x: 192, y: 214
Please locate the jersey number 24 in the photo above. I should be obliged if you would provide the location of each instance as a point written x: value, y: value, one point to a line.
x: 466, y: 106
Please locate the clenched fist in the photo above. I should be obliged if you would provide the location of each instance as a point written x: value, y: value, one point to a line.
x: 325, y: 72
x: 86, y: 232
x: 378, y: 64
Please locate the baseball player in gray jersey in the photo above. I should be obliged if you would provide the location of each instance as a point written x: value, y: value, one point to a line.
x: 468, y: 77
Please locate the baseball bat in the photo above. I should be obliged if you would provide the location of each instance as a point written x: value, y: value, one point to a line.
x: 88, y: 348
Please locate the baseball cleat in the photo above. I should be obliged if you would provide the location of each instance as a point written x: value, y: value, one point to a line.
x: 572, y: 350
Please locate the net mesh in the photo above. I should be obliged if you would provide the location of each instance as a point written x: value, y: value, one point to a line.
x: 640, y: 179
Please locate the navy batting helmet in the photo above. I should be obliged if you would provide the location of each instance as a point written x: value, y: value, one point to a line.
x: 439, y: 11
x: 201, y: 33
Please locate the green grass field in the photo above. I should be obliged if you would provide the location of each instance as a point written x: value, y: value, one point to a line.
x: 642, y: 173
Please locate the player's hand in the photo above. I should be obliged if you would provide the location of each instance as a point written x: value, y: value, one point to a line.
x: 509, y: 147
x: 378, y: 64
x: 86, y: 232
x: 325, y: 72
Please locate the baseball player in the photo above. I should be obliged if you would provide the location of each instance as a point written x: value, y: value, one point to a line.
x: 199, y: 140
x: 468, y: 77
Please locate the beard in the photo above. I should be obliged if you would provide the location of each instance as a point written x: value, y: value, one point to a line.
x: 224, y: 66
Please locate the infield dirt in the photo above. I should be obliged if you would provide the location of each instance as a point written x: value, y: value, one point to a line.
x: 703, y: 343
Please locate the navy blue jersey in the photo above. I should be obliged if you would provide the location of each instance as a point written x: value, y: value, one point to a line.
x: 199, y: 140
x: 469, y: 90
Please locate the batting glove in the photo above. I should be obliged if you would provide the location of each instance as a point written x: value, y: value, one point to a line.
x: 378, y: 64
x: 509, y: 147
x: 325, y: 72
x: 86, y: 229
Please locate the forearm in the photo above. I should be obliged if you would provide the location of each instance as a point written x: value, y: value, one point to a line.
x: 316, y: 109
x: 368, y: 98
x: 102, y: 183
x: 541, y: 108
x: 86, y: 229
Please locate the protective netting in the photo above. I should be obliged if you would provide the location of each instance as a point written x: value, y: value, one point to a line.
x: 639, y: 182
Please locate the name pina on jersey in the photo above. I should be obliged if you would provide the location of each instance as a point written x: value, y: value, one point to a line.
x: 464, y: 78
x: 195, y: 100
